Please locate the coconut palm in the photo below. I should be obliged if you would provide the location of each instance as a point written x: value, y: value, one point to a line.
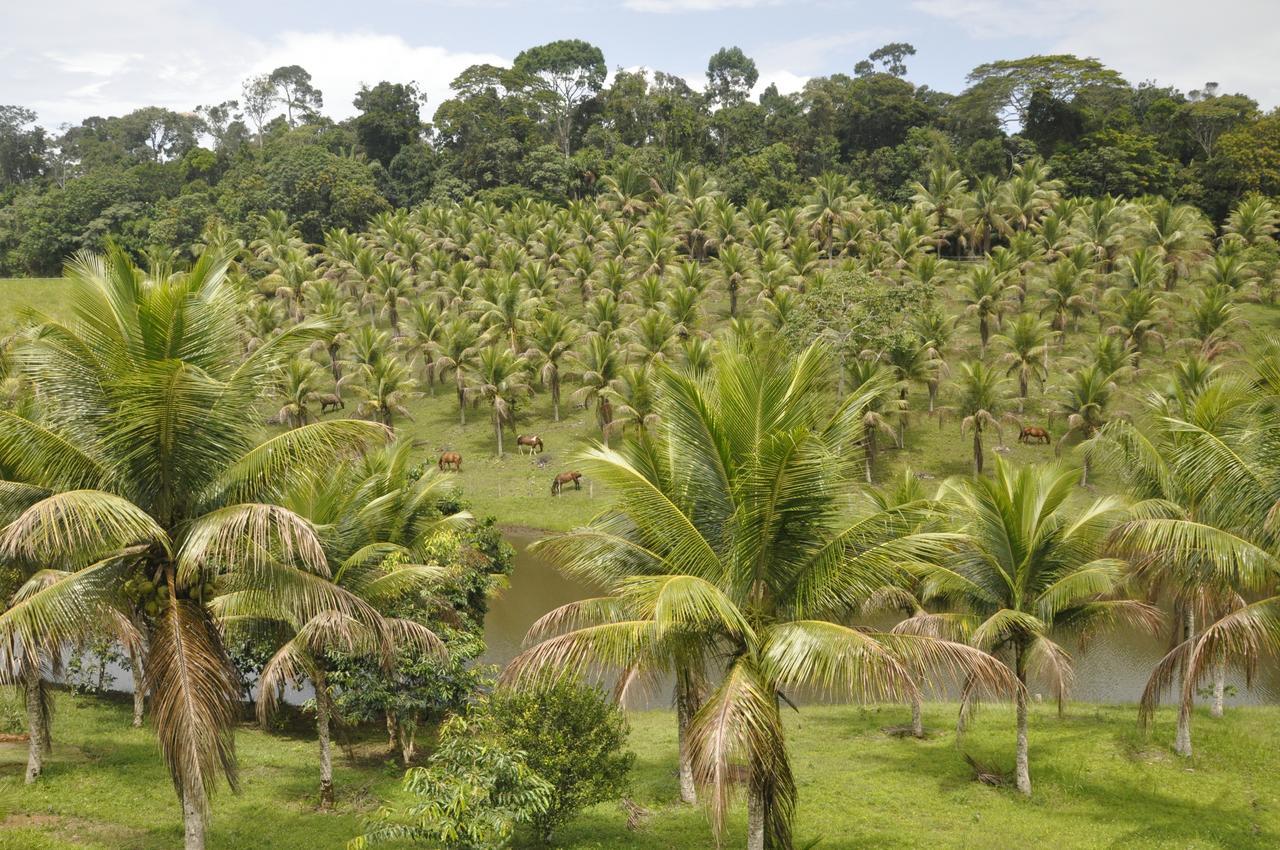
x: 384, y: 388
x: 728, y: 550
x: 981, y: 390
x: 1026, y: 351
x: 1199, y: 467
x: 1085, y: 399
x: 985, y: 295
x: 458, y: 352
x: 500, y: 379
x: 377, y: 522
x: 298, y: 383
x: 551, y: 339
x: 596, y: 366
x: 1031, y: 572
x: 140, y: 465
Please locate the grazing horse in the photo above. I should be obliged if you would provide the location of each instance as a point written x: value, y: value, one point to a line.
x: 330, y: 401
x: 532, y: 442
x: 450, y: 459
x: 1033, y: 435
x: 564, y: 478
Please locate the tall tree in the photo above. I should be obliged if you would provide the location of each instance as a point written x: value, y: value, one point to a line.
x: 295, y: 91
x: 731, y: 74
x: 566, y: 72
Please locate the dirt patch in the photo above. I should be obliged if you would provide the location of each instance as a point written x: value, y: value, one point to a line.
x: 75, y: 830
x: 9, y: 738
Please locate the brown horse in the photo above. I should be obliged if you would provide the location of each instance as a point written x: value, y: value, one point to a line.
x: 532, y: 442
x: 330, y: 401
x: 450, y: 459
x: 1033, y: 435
x: 564, y: 478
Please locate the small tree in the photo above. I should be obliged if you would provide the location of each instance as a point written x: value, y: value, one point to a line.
x: 573, y: 739
x: 471, y: 796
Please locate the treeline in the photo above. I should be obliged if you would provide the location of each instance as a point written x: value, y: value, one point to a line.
x: 553, y: 124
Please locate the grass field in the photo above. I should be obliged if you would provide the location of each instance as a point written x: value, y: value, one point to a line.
x: 1098, y: 783
x: 21, y: 296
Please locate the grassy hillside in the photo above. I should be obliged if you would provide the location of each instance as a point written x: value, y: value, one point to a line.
x: 20, y: 296
x: 1098, y: 783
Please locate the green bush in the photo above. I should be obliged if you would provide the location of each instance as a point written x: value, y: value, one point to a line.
x: 572, y: 738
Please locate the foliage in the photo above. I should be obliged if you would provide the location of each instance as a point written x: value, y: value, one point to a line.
x: 471, y: 796
x: 573, y: 739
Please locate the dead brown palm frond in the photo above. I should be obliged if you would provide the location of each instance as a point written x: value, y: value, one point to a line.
x: 195, y: 700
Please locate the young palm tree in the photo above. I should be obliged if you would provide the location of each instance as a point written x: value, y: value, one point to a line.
x: 458, y: 352
x: 1199, y: 465
x: 140, y: 465
x: 385, y: 387
x: 1086, y: 397
x: 1026, y: 352
x: 1031, y: 572
x: 426, y: 328
x: 883, y: 403
x: 551, y: 340
x: 377, y: 522
x: 299, y: 383
x: 500, y: 379
x: 729, y: 549
x: 985, y: 295
x: 981, y: 399
x: 597, y: 366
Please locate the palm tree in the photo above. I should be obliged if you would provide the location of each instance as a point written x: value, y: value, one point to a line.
x: 458, y: 353
x: 1066, y: 295
x: 597, y: 366
x: 981, y: 398
x: 882, y: 403
x: 551, y: 340
x: 985, y: 295
x: 426, y: 328
x: 728, y: 550
x: 1086, y: 397
x: 829, y: 206
x: 912, y: 358
x: 298, y: 383
x: 139, y: 474
x: 378, y: 523
x: 732, y: 266
x: 500, y: 379
x: 1200, y: 469
x: 385, y: 387
x: 1027, y: 353
x: 1137, y: 317
x: 1031, y: 572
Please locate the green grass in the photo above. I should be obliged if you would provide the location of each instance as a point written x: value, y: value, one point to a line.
x: 20, y: 296
x: 1098, y: 783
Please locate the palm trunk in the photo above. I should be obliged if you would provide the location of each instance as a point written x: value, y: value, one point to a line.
x: 1022, y: 763
x: 392, y: 739
x: 497, y: 432
x: 977, y: 450
x: 323, y: 711
x: 917, y: 714
x: 193, y: 825
x: 1182, y: 739
x: 139, y: 687
x: 933, y: 395
x: 1219, y: 689
x: 462, y: 401
x: 685, y: 710
x: 555, y: 399
x: 755, y: 818
x: 36, y: 746
x: 869, y: 460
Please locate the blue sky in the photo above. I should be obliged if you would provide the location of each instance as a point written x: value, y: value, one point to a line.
x: 72, y: 58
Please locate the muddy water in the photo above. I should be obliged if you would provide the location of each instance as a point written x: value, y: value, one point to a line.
x: 1112, y: 669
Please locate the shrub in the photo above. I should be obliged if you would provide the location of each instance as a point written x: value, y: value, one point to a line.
x: 573, y: 739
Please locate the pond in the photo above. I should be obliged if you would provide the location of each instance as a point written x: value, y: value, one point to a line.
x: 1112, y: 669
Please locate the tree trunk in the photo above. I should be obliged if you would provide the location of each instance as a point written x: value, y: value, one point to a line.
x: 555, y: 400
x: 685, y: 709
x: 869, y: 459
x: 1022, y: 763
x: 1182, y: 739
x: 139, y: 688
x: 977, y: 450
x: 393, y: 742
x: 755, y: 818
x: 36, y: 745
x: 193, y: 825
x: 933, y: 395
x: 323, y: 710
x: 497, y: 432
x: 1219, y: 689
x: 462, y: 401
x: 917, y: 716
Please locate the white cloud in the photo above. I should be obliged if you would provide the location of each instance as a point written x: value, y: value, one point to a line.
x: 341, y: 62
x: 1174, y: 42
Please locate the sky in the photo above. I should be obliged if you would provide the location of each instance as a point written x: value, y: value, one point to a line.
x: 69, y: 59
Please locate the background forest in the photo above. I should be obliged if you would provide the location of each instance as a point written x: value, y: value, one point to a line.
x: 552, y: 125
